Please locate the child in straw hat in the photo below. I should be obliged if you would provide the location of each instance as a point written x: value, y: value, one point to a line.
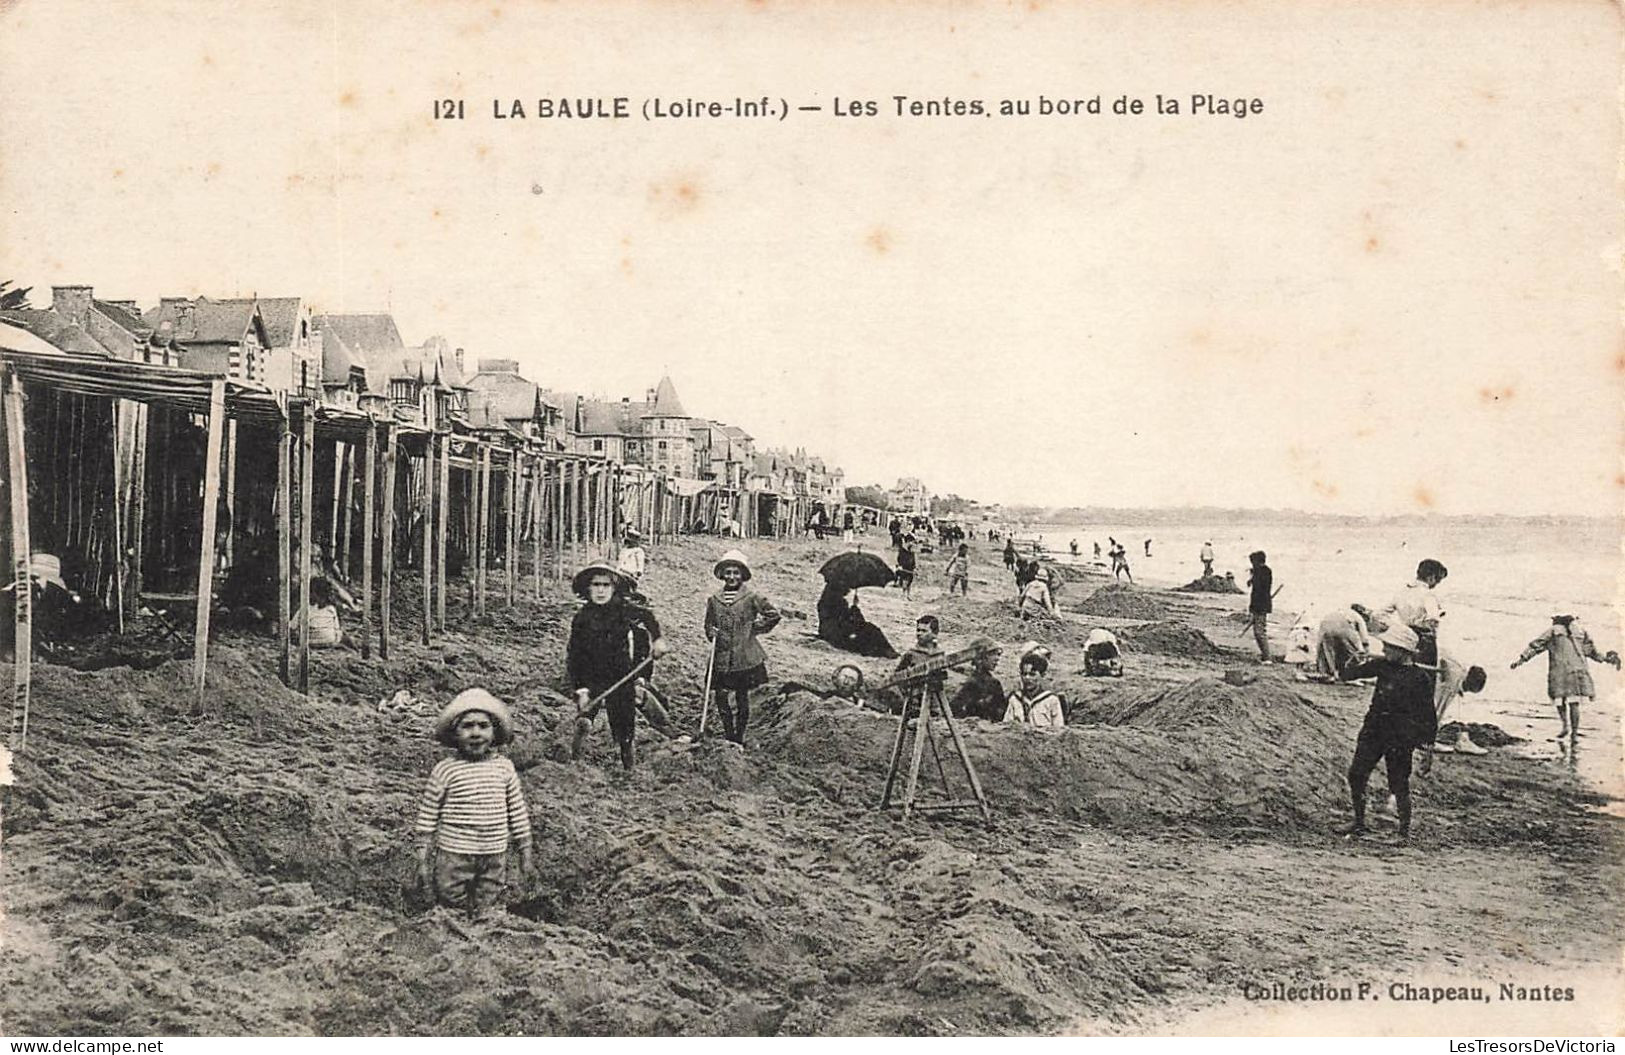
x: 473, y: 808
x: 734, y: 616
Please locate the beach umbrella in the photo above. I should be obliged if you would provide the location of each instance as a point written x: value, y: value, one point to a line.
x: 850, y: 571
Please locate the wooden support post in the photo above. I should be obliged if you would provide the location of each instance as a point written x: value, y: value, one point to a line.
x: 231, y: 489
x: 121, y: 410
x: 386, y: 582
x: 138, y: 506
x: 511, y: 519
x: 284, y: 541
x: 205, y: 567
x: 574, y: 511
x: 369, y: 520
x: 334, y: 537
x: 482, y: 527
x: 22, y: 586
x: 307, y: 532
x: 441, y: 521
x: 344, y: 530
x: 427, y: 542
x: 538, y: 493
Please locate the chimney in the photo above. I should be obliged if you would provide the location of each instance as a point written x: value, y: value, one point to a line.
x: 649, y: 396
x: 459, y: 357
x: 180, y: 309
x: 71, y: 302
x: 127, y: 305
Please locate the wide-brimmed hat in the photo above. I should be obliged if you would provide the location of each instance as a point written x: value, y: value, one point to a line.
x: 473, y: 700
x: 1400, y: 636
x: 737, y: 559
x: 633, y: 533
x: 584, y: 576
x: 47, y: 567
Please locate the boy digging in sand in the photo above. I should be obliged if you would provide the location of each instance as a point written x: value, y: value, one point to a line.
x: 1400, y: 720
x: 472, y: 809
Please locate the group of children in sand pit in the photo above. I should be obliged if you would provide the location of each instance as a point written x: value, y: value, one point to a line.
x: 473, y: 809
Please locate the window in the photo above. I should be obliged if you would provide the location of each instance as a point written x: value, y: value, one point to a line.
x: 597, y: 445
x: 662, y: 445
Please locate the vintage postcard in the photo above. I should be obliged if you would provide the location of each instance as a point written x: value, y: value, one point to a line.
x: 787, y: 518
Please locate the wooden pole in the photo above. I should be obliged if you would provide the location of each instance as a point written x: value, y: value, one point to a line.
x: 205, y: 568
x: 334, y: 537
x: 573, y: 511
x: 369, y: 520
x: 284, y: 541
x: 387, y: 576
x: 138, y: 505
x: 346, y: 522
x: 22, y: 586
x: 510, y: 515
x: 537, y: 494
x: 121, y: 412
x: 482, y: 527
x: 307, y: 531
x: 427, y: 567
x: 440, y: 527
x: 558, y: 520
x: 231, y: 489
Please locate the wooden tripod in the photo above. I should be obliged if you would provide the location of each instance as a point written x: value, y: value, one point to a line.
x: 930, y: 707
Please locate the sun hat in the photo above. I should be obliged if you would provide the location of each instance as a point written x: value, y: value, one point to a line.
x: 736, y: 558
x: 473, y: 700
x: 47, y: 567
x: 633, y: 533
x: 1400, y: 636
x: 584, y: 576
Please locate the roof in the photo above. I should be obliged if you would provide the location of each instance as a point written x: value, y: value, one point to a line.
x: 602, y: 418
x: 737, y: 433
x: 56, y: 331
x: 281, y: 315
x: 16, y: 339
x: 509, y: 395
x: 482, y: 414
x: 337, y: 359
x: 666, y: 404
x: 363, y: 332
x: 209, y: 322
x: 129, y: 320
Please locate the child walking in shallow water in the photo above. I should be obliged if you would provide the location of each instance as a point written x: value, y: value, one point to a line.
x: 734, y: 616
x: 473, y: 808
x: 1567, y: 647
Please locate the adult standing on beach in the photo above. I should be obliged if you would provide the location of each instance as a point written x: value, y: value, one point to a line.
x: 1262, y: 583
x: 1417, y: 606
x: 1568, y: 681
x: 1206, y: 557
x: 1010, y: 555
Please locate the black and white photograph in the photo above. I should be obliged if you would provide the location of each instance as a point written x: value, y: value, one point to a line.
x: 785, y: 519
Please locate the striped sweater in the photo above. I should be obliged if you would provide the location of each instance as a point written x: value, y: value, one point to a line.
x: 474, y: 807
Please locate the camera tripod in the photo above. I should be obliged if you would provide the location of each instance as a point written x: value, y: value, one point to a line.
x: 928, y: 708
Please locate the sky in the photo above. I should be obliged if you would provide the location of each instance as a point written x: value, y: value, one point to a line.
x: 1395, y: 289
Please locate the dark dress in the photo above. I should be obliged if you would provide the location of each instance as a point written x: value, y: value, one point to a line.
x: 606, y: 642
x: 842, y: 625
x: 1401, y: 719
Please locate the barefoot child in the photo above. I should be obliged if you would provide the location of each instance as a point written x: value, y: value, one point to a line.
x: 1567, y: 647
x: 734, y: 616
x: 959, y: 571
x: 473, y: 807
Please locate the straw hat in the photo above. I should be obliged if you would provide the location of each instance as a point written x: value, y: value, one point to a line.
x: 735, y: 558
x: 473, y: 700
x: 47, y: 568
x: 584, y: 576
x: 1400, y: 636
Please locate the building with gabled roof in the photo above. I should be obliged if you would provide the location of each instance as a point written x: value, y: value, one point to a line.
x: 504, y: 393
x: 215, y: 336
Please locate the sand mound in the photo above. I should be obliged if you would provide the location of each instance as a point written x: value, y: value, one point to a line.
x: 1210, y: 584
x: 1205, y: 752
x: 1169, y: 638
x: 1123, y: 601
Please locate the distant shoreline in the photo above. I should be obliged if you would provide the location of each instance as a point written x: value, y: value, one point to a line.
x: 1039, y: 515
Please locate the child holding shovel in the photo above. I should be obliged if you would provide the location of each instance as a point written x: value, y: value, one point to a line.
x: 612, y: 642
x: 734, y: 616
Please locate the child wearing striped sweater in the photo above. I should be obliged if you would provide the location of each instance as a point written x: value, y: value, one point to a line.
x: 473, y: 807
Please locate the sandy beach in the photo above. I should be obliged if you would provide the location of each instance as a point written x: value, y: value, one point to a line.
x: 1165, y: 864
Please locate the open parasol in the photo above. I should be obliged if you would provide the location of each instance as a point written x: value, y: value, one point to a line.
x: 851, y: 571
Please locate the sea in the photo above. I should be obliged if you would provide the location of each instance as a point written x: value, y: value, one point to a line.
x: 1508, y: 577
